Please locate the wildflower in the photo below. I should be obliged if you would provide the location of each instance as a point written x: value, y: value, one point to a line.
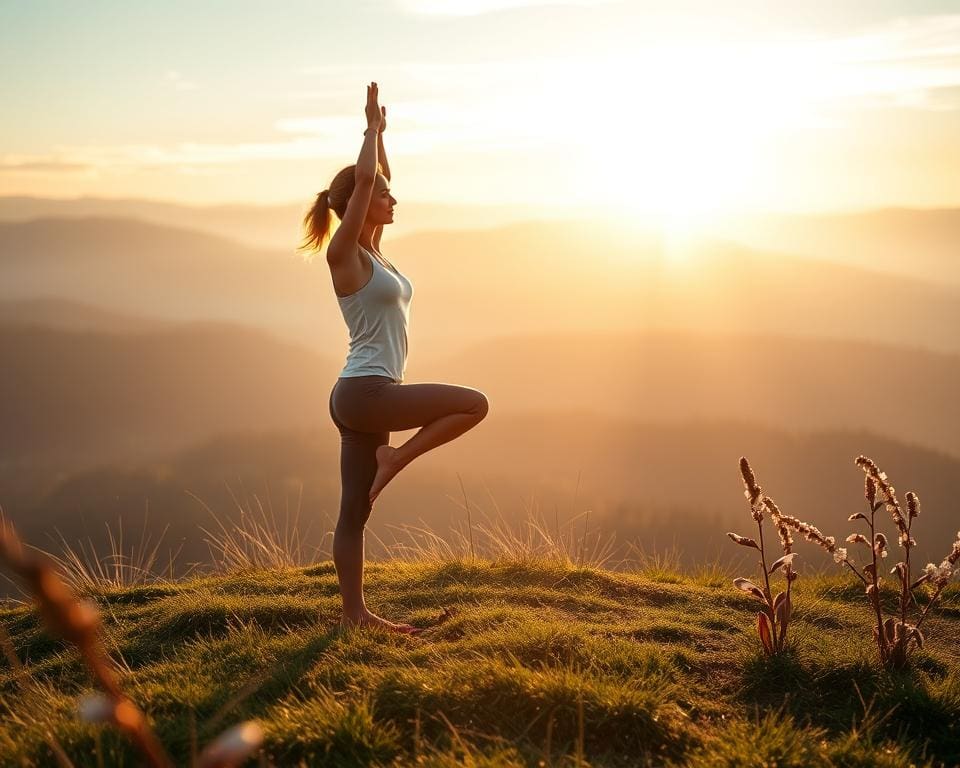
x: 870, y: 490
x: 955, y: 552
x: 913, y: 505
x: 753, y: 489
x: 810, y: 532
x: 906, y: 540
x: 774, y: 617
x: 939, y: 575
x: 786, y: 540
x: 889, y: 492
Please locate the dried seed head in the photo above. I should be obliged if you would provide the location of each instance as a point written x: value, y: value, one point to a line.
x: 888, y: 491
x: 857, y: 538
x: 955, y: 552
x: 870, y: 490
x: 840, y: 556
x: 913, y: 505
x: 939, y: 575
x: 810, y: 532
x: 753, y: 490
x: 79, y: 623
x: 786, y: 540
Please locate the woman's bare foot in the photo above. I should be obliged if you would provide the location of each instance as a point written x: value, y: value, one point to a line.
x: 369, y: 619
x: 387, y: 466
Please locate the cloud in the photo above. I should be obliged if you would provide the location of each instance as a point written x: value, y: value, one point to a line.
x: 325, y: 125
x: 310, y: 138
x: 477, y: 7
x: 178, y: 82
x: 42, y: 164
x: 906, y: 63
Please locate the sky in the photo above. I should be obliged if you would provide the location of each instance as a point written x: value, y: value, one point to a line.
x: 689, y: 108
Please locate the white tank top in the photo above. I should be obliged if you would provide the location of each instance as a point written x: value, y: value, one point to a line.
x: 377, y: 316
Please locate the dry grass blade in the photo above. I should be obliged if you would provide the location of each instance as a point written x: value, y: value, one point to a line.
x: 79, y: 623
x: 86, y: 571
x: 258, y: 540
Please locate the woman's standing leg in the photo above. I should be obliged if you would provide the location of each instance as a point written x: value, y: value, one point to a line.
x: 358, y: 465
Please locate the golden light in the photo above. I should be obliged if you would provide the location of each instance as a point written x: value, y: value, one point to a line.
x: 685, y: 135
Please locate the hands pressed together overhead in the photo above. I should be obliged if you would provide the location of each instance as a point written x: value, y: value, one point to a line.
x: 376, y: 115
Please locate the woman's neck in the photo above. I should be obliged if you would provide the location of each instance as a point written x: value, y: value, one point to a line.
x: 366, y: 236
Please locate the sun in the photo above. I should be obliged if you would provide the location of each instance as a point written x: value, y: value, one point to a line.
x: 688, y: 138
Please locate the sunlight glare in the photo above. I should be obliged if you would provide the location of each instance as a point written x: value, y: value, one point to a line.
x: 691, y: 129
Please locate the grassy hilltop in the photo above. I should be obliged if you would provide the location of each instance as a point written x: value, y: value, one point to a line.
x: 543, y: 663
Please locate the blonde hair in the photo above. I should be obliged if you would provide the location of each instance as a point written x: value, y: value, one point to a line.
x: 316, y: 224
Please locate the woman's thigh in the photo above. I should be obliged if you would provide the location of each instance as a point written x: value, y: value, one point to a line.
x: 385, y: 406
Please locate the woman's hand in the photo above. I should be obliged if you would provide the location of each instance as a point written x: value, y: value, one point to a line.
x: 375, y: 114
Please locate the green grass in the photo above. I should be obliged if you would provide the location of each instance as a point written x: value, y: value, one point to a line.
x: 544, y: 661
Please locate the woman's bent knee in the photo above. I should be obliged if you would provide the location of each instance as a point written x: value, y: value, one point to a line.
x: 481, y: 407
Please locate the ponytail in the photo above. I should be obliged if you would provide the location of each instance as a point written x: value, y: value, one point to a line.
x: 316, y: 225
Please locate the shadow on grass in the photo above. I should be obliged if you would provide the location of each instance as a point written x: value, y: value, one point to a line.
x: 916, y: 708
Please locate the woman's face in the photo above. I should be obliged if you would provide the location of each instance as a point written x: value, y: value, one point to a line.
x: 381, y: 202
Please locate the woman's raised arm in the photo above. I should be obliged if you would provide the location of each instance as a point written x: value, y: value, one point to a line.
x: 344, y: 241
x: 381, y: 152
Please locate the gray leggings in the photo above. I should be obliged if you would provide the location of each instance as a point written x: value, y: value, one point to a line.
x: 366, y: 409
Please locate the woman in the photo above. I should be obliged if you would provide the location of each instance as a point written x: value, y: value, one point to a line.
x: 368, y: 401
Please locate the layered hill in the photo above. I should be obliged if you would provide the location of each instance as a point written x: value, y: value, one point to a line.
x: 107, y: 393
x: 471, y: 286
x: 132, y: 267
x: 919, y: 243
x: 86, y: 397
x: 259, y: 226
x: 796, y: 383
x: 652, y: 486
x: 909, y: 242
x: 67, y: 315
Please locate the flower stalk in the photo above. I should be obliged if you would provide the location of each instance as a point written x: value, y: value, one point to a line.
x: 774, y: 616
x: 78, y: 622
